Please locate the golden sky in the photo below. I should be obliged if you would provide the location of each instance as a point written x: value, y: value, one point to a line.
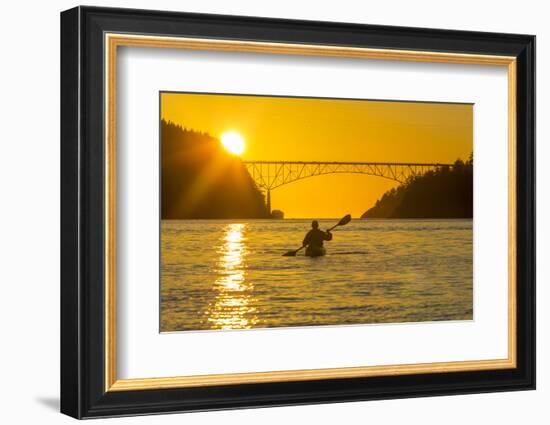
x: 309, y: 129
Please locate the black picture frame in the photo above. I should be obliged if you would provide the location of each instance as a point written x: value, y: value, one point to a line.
x: 83, y: 392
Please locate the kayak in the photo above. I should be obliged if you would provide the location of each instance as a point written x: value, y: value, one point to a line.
x: 315, y: 251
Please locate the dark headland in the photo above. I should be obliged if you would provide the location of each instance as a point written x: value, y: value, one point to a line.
x: 443, y: 193
x: 200, y: 179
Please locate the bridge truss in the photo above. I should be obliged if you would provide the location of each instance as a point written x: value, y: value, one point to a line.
x: 269, y: 175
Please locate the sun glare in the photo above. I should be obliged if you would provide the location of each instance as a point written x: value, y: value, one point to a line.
x: 233, y: 142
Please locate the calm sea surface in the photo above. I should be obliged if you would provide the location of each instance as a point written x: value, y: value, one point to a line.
x: 227, y: 274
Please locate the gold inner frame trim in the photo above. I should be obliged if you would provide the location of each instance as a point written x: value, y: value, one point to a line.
x: 112, y: 41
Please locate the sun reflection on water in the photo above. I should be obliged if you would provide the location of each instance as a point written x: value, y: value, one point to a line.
x: 233, y: 305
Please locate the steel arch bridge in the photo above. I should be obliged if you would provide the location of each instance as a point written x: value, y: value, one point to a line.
x: 269, y: 175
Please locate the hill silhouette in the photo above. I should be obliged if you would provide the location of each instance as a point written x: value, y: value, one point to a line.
x: 200, y: 179
x: 443, y: 193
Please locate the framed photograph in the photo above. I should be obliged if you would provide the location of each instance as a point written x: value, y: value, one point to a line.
x: 261, y: 212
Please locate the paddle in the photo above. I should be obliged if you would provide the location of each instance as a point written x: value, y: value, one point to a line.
x: 343, y: 221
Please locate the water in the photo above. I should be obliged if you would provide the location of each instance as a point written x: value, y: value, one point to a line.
x: 227, y: 274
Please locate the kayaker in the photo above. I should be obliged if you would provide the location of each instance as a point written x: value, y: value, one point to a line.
x: 314, y: 240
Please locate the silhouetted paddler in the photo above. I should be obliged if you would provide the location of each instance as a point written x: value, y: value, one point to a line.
x: 314, y: 240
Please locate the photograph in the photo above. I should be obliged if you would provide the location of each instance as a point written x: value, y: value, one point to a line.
x: 285, y: 210
x: 281, y: 211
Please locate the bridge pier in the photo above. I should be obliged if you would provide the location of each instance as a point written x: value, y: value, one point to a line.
x: 268, y: 201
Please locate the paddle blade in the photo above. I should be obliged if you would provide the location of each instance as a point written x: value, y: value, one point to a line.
x: 344, y: 220
x: 290, y: 254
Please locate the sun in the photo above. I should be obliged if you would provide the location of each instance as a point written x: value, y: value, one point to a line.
x: 233, y: 142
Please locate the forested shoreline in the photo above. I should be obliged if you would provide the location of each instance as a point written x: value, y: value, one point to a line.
x: 446, y: 192
x: 200, y: 179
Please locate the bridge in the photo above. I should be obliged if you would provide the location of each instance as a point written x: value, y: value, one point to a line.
x: 269, y: 175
